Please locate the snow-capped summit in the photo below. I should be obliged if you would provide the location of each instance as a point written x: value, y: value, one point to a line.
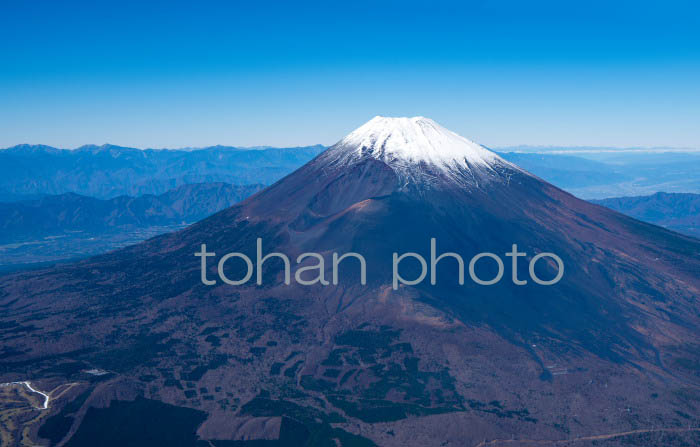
x: 419, y: 151
x: 416, y: 139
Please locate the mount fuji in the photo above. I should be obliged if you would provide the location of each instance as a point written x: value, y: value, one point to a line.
x: 609, y: 354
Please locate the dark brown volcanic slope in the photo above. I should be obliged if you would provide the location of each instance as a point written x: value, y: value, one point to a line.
x: 611, y: 351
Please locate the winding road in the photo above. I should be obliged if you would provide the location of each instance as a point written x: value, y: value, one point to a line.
x: 29, y: 386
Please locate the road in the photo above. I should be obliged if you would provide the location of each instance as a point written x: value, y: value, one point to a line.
x: 29, y: 386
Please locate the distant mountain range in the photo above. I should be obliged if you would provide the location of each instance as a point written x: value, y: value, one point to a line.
x: 105, y: 172
x: 57, y: 228
x: 108, y: 171
x: 602, y: 173
x: 70, y: 213
x: 569, y: 171
x: 676, y: 211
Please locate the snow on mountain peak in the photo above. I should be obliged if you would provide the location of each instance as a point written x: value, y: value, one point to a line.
x: 416, y: 140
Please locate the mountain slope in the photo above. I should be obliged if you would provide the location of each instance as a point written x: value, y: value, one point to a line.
x: 610, y: 348
x: 676, y: 211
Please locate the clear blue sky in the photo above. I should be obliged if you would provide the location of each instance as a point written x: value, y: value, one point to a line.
x: 171, y: 74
